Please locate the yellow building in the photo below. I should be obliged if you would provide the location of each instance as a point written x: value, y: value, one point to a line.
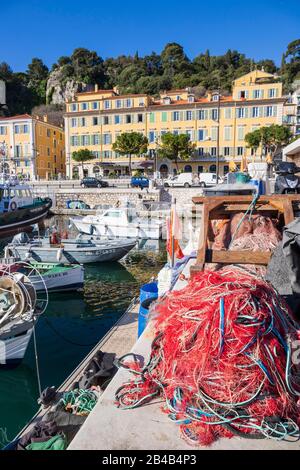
x: 32, y: 147
x: 216, y: 124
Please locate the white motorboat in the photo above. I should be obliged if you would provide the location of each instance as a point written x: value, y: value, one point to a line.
x: 20, y: 307
x: 119, y: 222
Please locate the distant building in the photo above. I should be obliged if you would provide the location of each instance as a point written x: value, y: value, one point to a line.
x: 2, y: 93
x: 292, y: 109
x: 31, y: 147
x: 216, y: 124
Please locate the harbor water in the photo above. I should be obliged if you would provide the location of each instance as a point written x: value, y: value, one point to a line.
x: 72, y: 325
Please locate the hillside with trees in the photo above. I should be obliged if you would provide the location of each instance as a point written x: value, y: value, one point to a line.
x: 172, y: 68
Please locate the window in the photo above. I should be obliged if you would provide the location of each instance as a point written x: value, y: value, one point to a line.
x: 176, y: 116
x: 106, y: 104
x: 225, y: 169
x: 26, y: 129
x: 190, y: 134
x: 73, y: 107
x: 255, y: 111
x: 164, y: 116
x: 212, y: 168
x: 272, y: 93
x: 48, y: 133
x: 240, y: 132
x: 191, y: 99
x: 84, y: 106
x: 189, y: 115
x: 119, y: 104
x: 117, y: 119
x: 17, y: 129
x: 54, y: 158
x: 257, y: 94
x: 200, y: 151
x: 240, y: 113
x: 201, y: 134
x: 128, y: 103
x: 151, y: 136
x: 105, y: 120
x: 200, y: 168
x: 73, y: 122
x: 74, y: 140
x: 95, y: 121
x: 82, y: 122
x: 214, y: 114
x: 240, y: 151
x: 215, y: 98
x: 227, y: 133
x: 85, y: 140
x: 227, y: 113
x: 128, y: 118
x: 214, y: 133
x: 166, y: 100
x: 226, y: 151
x: 95, y: 105
x: 48, y: 151
x: 269, y: 111
x: 18, y: 151
x: 106, y: 139
x: 2, y: 130
x: 202, y: 114
x: 141, y: 102
x: 140, y: 118
x: 152, y: 117
x: 213, y: 151
x: 95, y: 139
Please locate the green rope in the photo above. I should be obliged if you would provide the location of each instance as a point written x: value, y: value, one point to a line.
x: 81, y: 401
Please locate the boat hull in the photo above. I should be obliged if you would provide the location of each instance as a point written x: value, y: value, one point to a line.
x: 12, y: 350
x: 16, y: 221
x: 72, y: 256
x: 61, y: 281
x: 144, y: 231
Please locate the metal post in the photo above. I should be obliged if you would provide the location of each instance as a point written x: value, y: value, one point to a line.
x: 218, y: 141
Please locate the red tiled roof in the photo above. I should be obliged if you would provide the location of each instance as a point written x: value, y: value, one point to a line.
x: 18, y: 116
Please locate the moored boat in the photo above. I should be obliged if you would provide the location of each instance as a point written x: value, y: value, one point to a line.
x: 119, y: 222
x: 19, y: 209
x: 20, y: 307
x: 69, y: 251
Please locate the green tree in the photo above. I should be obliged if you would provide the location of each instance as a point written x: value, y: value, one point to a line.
x: 130, y: 143
x: 175, y: 146
x: 270, y: 138
x: 82, y: 156
x: 253, y: 139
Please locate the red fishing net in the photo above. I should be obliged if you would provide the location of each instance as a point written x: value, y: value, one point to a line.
x: 222, y: 360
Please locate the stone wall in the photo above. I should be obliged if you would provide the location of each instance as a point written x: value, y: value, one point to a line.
x: 96, y: 196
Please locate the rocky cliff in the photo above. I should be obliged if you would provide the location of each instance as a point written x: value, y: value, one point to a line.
x: 60, y: 89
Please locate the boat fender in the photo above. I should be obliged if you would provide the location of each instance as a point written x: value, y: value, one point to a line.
x: 65, y: 235
x: 54, y: 239
x: 27, y: 254
x: 59, y: 254
x: 13, y: 206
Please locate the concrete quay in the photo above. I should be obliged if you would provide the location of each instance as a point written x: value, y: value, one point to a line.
x: 147, y: 427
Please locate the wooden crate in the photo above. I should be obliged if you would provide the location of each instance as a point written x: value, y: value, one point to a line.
x: 222, y: 207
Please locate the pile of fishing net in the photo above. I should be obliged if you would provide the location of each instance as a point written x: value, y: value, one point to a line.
x: 222, y: 360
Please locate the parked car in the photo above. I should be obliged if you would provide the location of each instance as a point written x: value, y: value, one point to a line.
x: 91, y: 182
x: 139, y: 182
x: 185, y: 180
x: 208, y: 179
x: 77, y: 204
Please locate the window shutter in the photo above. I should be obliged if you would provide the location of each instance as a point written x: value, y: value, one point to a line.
x: 181, y: 118
x: 231, y: 151
x: 265, y: 111
x: 246, y: 112
x: 274, y: 111
x: 246, y: 94
x: 262, y: 94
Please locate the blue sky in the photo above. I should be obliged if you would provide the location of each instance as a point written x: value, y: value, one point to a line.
x: 49, y: 28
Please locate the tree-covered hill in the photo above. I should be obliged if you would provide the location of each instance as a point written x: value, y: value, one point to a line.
x: 135, y: 74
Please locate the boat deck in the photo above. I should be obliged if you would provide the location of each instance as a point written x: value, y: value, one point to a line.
x: 119, y: 340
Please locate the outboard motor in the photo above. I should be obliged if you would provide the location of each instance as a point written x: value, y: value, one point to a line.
x: 286, y: 181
